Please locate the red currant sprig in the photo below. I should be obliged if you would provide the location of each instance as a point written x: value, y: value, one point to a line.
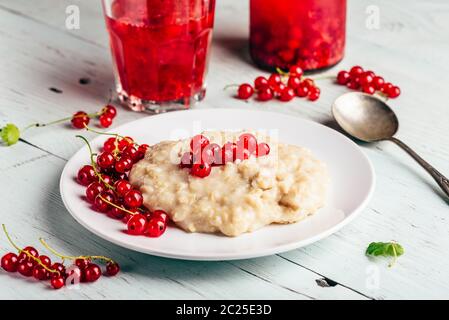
x: 368, y: 82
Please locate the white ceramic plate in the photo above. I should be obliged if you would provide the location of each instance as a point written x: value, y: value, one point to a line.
x: 351, y: 172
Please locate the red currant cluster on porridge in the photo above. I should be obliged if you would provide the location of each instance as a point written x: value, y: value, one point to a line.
x: 368, y: 82
x: 109, y: 191
x: 29, y: 263
x: 284, y: 86
x: 204, y: 155
x: 105, y: 117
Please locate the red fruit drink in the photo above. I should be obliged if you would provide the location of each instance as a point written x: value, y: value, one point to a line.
x: 308, y: 33
x: 160, y: 50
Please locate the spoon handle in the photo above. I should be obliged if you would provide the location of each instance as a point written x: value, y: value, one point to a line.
x: 442, y: 181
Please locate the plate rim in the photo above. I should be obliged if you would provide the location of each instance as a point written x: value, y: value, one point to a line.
x: 226, y: 256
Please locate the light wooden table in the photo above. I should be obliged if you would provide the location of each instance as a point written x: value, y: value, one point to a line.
x: 410, y: 48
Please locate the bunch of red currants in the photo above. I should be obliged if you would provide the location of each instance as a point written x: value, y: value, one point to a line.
x: 106, y: 116
x: 109, y: 190
x: 204, y: 155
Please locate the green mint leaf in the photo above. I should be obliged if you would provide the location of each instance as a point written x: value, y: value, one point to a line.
x: 385, y: 249
x: 10, y: 134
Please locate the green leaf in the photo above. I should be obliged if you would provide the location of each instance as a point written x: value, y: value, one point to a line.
x: 385, y: 249
x: 10, y: 134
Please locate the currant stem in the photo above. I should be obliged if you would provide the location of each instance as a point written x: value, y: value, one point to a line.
x: 232, y: 85
x: 38, y: 125
x: 116, y: 206
x: 26, y: 252
x: 56, y: 253
x: 94, y: 166
x: 116, y: 135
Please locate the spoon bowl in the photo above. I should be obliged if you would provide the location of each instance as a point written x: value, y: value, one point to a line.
x: 365, y: 117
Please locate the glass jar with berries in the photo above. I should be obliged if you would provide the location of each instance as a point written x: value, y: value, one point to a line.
x: 308, y: 33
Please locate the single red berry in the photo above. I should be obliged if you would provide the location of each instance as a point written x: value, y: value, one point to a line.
x: 260, y: 82
x: 394, y: 92
x: 110, y: 110
x: 356, y: 71
x: 40, y: 273
x: 131, y: 152
x: 366, y: 79
x: 80, y: 120
x: 314, y: 94
x: 57, y: 282
x: 279, y: 88
x: 30, y: 250
x: 109, y: 145
x: 287, y: 95
x: 105, y: 160
x: 94, y: 189
x: 309, y: 83
x: 123, y: 165
x: 124, y: 142
x: 46, y: 261
x: 378, y: 82
x: 117, y: 213
x: 200, y: 170
x: 274, y: 80
x: 296, y: 71
x: 25, y: 268
x: 264, y: 93
x: 294, y: 82
x: 106, y: 179
x: 122, y: 187
x: 9, y: 262
x: 343, y: 77
x: 137, y: 224
x: 198, y: 143
x: 100, y: 204
x: 386, y: 87
x: 133, y: 199
x: 156, y: 227
x: 105, y: 120
x: 112, y: 268
x: 369, y: 89
x: 352, y: 84
x: 302, y: 91
x: 245, y: 91
x: 92, y: 273
x: 86, y: 175
x: 58, y: 267
x: 263, y: 149
x: 82, y: 263
x: 142, y: 150
x: 371, y: 73
x: 160, y: 214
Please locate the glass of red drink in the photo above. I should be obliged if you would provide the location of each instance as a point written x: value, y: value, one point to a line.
x: 160, y: 51
x: 308, y: 33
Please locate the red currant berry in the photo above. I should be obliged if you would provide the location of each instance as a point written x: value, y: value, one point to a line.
x: 369, y: 89
x: 131, y: 152
x: 155, y: 228
x: 263, y: 149
x: 378, y: 82
x: 58, y: 267
x: 110, y: 110
x: 366, y: 79
x: 25, y: 268
x: 133, y: 199
x: 80, y: 120
x: 260, y: 82
x: 356, y: 71
x: 279, y: 88
x: 343, y: 77
x: 201, y: 170
x: 137, y: 224
x: 92, y: 273
x: 160, y: 214
x: 40, y: 273
x: 309, y: 83
x: 105, y: 160
x: 109, y: 145
x: 112, y: 268
x: 82, y: 263
x: 274, y: 80
x: 9, y: 262
x: 245, y: 91
x: 122, y: 187
x: 86, y: 175
x: 142, y: 150
x: 264, y: 93
x: 93, y: 190
x: 394, y: 92
x: 123, y: 165
x: 46, y: 261
x: 287, y: 95
x: 105, y: 121
x: 296, y: 71
x: 198, y: 143
x: 302, y: 91
x: 352, y: 84
x: 314, y: 94
x: 57, y: 282
x: 30, y: 250
x: 100, y: 204
x: 294, y: 82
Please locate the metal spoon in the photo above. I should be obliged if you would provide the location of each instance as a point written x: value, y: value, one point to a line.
x: 370, y: 119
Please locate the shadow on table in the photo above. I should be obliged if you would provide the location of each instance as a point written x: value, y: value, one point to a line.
x: 235, y: 46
